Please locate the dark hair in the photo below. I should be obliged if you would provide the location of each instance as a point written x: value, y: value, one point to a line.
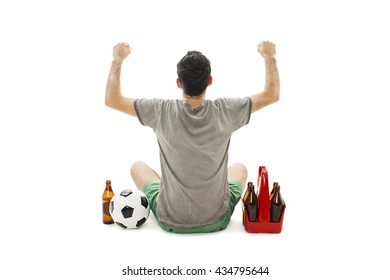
x: 193, y: 71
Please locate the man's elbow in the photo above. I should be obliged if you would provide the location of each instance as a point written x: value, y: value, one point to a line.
x: 273, y: 95
x: 108, y: 102
x: 111, y: 102
x: 276, y: 96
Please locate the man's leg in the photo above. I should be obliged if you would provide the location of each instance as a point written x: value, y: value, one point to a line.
x: 238, y: 172
x: 142, y: 173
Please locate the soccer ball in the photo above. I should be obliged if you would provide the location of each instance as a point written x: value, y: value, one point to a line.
x: 129, y: 209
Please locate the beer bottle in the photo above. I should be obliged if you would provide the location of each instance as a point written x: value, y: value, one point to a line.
x: 251, y: 203
x: 245, y: 200
x: 107, y: 195
x: 277, y: 205
x: 247, y: 192
x: 273, y: 191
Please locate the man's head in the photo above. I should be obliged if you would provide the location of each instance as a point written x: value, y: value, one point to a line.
x: 193, y: 72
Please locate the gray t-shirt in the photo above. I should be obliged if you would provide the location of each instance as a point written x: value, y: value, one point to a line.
x: 194, y: 145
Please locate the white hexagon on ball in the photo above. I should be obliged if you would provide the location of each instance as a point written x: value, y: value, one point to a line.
x: 130, y: 208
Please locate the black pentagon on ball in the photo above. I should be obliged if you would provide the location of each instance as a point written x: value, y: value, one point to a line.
x: 140, y: 222
x: 144, y: 202
x: 126, y: 193
x: 127, y: 211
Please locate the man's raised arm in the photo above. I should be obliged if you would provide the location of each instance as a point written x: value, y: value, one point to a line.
x: 271, y: 91
x: 113, y: 97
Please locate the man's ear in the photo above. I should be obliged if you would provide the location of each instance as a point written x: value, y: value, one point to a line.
x: 178, y: 83
x: 210, y: 80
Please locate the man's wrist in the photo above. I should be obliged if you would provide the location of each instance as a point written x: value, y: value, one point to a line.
x: 117, y: 61
x: 270, y: 60
x: 269, y: 57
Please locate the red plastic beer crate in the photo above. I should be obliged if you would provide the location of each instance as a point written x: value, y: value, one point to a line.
x: 262, y: 227
x: 263, y: 224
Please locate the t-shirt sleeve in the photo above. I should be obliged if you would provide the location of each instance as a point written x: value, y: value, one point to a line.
x: 237, y: 111
x: 148, y: 111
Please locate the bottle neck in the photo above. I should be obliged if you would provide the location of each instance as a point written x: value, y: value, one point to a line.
x: 108, y: 186
x: 277, y: 196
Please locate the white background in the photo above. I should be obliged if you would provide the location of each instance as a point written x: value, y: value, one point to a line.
x: 325, y: 141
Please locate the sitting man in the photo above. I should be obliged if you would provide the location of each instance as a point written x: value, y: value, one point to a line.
x: 196, y: 191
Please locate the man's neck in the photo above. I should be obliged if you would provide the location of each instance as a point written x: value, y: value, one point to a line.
x: 194, y: 101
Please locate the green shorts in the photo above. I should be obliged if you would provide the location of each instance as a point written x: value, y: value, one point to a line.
x: 152, y: 189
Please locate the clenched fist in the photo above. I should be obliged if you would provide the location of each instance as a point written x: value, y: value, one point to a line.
x: 121, y: 51
x: 266, y: 49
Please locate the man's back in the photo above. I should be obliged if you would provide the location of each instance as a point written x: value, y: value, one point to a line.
x: 194, y: 146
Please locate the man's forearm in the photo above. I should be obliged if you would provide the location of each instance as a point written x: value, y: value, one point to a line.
x: 113, y: 87
x: 272, y: 83
x: 114, y: 98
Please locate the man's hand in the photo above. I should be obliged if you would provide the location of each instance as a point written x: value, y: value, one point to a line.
x: 266, y: 49
x: 121, y: 51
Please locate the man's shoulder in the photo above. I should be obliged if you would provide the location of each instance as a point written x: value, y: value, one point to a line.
x: 156, y: 101
x: 228, y: 101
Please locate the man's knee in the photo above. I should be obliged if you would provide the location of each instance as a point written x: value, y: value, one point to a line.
x: 241, y: 167
x: 136, y: 167
x: 142, y: 173
x: 238, y: 171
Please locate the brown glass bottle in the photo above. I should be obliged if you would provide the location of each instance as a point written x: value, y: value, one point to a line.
x: 245, y: 200
x: 273, y: 190
x: 107, y: 195
x: 251, y: 203
x: 277, y: 205
x: 247, y: 192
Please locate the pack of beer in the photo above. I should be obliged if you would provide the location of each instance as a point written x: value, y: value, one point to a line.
x: 263, y: 211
